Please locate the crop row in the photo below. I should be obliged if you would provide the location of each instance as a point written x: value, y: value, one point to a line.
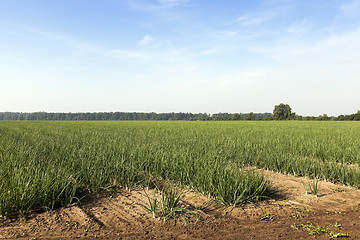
x: 44, y: 165
x: 49, y: 164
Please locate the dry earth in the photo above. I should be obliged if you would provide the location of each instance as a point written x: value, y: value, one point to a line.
x: 120, y: 216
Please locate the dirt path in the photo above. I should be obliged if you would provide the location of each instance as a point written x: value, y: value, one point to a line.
x: 291, y: 215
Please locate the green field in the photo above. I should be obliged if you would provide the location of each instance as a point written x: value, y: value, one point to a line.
x: 49, y: 164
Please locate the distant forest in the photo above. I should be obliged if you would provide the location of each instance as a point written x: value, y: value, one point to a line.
x: 130, y: 116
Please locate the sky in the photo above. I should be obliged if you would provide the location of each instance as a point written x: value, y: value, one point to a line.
x: 180, y: 56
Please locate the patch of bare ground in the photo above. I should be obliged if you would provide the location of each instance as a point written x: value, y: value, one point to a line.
x: 289, y: 215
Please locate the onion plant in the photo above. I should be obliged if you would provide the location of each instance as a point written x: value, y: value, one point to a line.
x: 49, y: 164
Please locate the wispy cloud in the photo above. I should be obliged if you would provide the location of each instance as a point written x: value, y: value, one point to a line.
x: 166, y: 61
x: 254, y: 19
x: 173, y: 3
x: 218, y: 49
x: 351, y: 9
x: 63, y: 39
x: 129, y: 54
x: 299, y: 27
x: 335, y: 48
x: 269, y: 11
x: 147, y: 39
x: 171, y: 58
x: 147, y: 6
x: 350, y: 37
x: 229, y: 33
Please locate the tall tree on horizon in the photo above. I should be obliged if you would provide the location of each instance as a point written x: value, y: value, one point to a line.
x: 283, y: 112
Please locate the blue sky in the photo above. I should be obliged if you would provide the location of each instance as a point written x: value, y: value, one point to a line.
x: 180, y: 55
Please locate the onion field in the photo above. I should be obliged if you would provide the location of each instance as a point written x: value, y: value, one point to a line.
x: 48, y: 164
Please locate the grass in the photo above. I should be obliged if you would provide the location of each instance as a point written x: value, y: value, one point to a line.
x: 48, y: 164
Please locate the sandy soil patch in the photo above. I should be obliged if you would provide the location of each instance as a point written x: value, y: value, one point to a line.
x: 290, y: 215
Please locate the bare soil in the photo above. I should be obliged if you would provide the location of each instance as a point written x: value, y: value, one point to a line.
x: 119, y: 216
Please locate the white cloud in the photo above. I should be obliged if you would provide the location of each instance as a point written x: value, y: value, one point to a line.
x: 147, y: 39
x: 147, y: 6
x: 172, y: 3
x: 299, y: 27
x: 128, y: 54
x: 166, y: 61
x: 348, y: 39
x: 330, y: 48
x: 65, y: 40
x: 351, y: 9
x: 254, y: 19
x: 219, y: 49
x: 276, y: 2
x: 230, y: 33
x: 267, y: 13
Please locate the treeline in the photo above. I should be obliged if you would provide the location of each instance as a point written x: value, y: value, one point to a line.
x: 141, y: 116
x: 324, y: 117
x: 130, y: 116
